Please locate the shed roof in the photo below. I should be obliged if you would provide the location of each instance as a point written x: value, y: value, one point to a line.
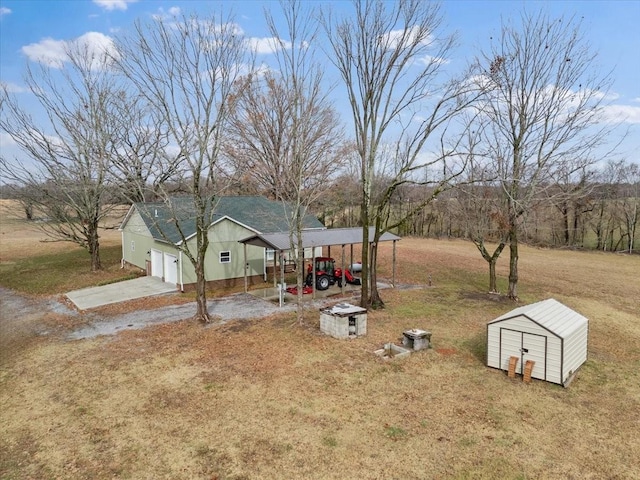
x: 550, y: 314
x: 165, y: 220
x: 316, y: 238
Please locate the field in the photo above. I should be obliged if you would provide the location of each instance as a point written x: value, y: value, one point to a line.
x: 267, y: 398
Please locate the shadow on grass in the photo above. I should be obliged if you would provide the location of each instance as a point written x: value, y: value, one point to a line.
x: 477, y: 346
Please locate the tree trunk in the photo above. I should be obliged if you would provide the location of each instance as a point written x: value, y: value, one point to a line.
x: 202, y: 312
x: 300, y: 270
x: 513, y: 264
x: 493, y: 282
x: 492, y: 260
x: 364, y: 291
x: 375, y: 301
x: 94, y: 249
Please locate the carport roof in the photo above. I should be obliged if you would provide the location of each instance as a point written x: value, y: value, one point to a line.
x: 316, y: 238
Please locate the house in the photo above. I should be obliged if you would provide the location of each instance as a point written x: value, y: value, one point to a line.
x: 151, y: 239
x: 548, y: 333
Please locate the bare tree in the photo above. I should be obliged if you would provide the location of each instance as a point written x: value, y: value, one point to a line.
x: 140, y: 163
x: 186, y: 68
x: 390, y: 58
x: 63, y: 174
x: 629, y: 200
x: 481, y: 209
x: 285, y: 132
x: 543, y: 105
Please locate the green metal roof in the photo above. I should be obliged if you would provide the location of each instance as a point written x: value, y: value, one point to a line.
x: 165, y: 220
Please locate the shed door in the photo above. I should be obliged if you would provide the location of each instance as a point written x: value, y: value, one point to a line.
x: 170, y: 268
x: 156, y: 263
x: 525, y: 346
x: 534, y: 347
x: 510, y: 345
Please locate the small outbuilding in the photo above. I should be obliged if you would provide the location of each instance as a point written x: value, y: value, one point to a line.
x: 548, y: 333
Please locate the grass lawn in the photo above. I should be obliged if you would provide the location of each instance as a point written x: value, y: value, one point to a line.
x: 270, y: 399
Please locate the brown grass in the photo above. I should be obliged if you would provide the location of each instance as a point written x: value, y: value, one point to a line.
x: 269, y: 399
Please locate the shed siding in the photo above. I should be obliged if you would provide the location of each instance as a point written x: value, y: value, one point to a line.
x: 544, y: 325
x: 575, y: 351
x: 522, y: 324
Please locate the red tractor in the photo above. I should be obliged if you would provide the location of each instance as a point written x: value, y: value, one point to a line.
x: 327, y: 274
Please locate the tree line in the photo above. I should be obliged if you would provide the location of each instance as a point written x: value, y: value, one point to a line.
x: 183, y: 107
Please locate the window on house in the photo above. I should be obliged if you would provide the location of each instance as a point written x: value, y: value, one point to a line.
x: 225, y: 257
x: 133, y: 245
x: 269, y: 254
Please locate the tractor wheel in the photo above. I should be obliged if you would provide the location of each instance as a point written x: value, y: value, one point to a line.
x: 322, y: 282
x: 309, y: 280
x: 339, y: 282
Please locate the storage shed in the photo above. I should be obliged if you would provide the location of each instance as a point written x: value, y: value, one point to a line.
x: 548, y: 333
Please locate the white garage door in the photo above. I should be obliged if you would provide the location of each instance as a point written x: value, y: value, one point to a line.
x: 156, y: 263
x: 170, y: 268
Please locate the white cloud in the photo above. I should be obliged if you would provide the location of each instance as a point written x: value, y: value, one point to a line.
x: 6, y: 140
x: 637, y: 99
x: 430, y: 60
x: 13, y: 87
x: 268, y: 45
x: 48, y: 51
x: 4, y: 11
x: 169, y: 14
x: 53, y: 52
x: 114, y: 4
x: 409, y: 36
x: 621, y: 113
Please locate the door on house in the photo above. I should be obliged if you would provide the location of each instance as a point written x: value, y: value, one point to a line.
x: 525, y: 346
x: 156, y: 263
x: 170, y: 268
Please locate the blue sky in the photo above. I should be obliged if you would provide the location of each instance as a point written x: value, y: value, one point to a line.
x: 31, y: 28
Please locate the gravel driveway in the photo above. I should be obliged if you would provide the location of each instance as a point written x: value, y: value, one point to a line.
x: 21, y: 316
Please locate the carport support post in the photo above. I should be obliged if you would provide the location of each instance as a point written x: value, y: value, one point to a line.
x: 351, y: 262
x: 281, y: 293
x: 342, y: 282
x: 313, y: 275
x: 393, y: 267
x: 275, y: 268
x: 246, y: 265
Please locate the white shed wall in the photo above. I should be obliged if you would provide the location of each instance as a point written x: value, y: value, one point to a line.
x: 575, y: 351
x: 552, y: 361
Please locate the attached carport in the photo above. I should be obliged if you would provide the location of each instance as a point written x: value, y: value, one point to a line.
x: 279, y: 242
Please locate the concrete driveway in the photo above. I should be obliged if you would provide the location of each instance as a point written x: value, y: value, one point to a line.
x: 119, y: 292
